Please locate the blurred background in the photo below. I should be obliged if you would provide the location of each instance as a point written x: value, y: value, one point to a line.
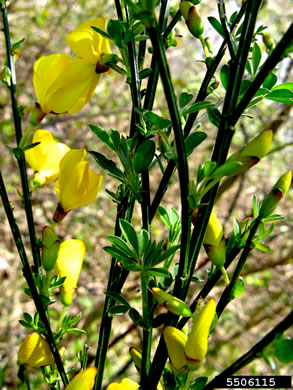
x: 267, y: 276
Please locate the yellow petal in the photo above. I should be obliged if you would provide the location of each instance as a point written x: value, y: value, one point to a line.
x: 197, y: 341
x: 77, y: 81
x: 69, y: 262
x: 78, y: 185
x: 85, y: 380
x: 85, y: 97
x: 46, y: 70
x: 126, y: 384
x: 35, y: 351
x: 87, y: 43
x: 45, y: 157
x: 214, y: 232
x: 175, y: 341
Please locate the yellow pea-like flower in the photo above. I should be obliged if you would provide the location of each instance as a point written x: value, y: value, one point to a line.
x: 44, y: 158
x: 77, y: 184
x: 277, y: 193
x: 68, y: 264
x: 53, y: 65
x: 176, y: 341
x: 192, y: 18
x: 85, y: 380
x: 197, y: 341
x: 35, y: 351
x: 125, y: 384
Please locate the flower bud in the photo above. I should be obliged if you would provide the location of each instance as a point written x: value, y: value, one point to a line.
x: 192, y: 18
x: 85, y: 380
x: 50, y: 248
x: 136, y: 356
x: 175, y: 341
x: 253, y: 152
x: 126, y: 384
x: 277, y: 193
x: 197, y: 342
x: 35, y: 351
x: 172, y: 304
x: 68, y: 264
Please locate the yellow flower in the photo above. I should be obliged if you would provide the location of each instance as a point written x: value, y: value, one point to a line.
x: 44, y: 158
x: 77, y: 184
x: 69, y: 263
x: 173, y: 304
x: 197, y: 342
x: 35, y: 351
x: 175, y: 341
x: 85, y: 380
x: 72, y: 83
x: 126, y: 384
x: 53, y: 65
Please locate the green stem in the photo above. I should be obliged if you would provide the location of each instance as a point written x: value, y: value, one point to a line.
x: 225, y: 297
x: 188, y: 380
x: 253, y: 353
x: 27, y: 273
x: 159, y: 50
x: 64, y: 311
x: 147, y: 331
x: 18, y: 133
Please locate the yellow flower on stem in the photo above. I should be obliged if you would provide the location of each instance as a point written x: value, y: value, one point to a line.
x: 44, y: 158
x: 197, y: 341
x: 85, y: 380
x: 176, y: 341
x: 173, y: 304
x: 77, y: 184
x: 126, y: 384
x: 68, y: 264
x: 53, y: 65
x: 35, y: 351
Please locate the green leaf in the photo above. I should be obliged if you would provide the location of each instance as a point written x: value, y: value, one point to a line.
x: 116, y: 253
x: 27, y: 147
x: 224, y: 75
x: 25, y: 324
x: 238, y: 289
x: 193, y: 140
x: 143, y: 241
x: 117, y: 297
x: 28, y: 318
x: 196, y: 279
x: 136, y: 317
x: 255, y: 207
x: 114, y: 29
x: 129, y: 36
x: 129, y: 234
x: 262, y: 247
x: 102, y: 134
x: 256, y: 57
x: 161, y: 272
x: 281, y: 95
x: 165, y: 255
x: 155, y: 119
x: 164, y: 216
x: 115, y: 138
x: 103, y: 33
x: 288, y: 85
x: 57, y: 282
x: 118, y: 310
x: 270, y: 81
x: 209, y: 167
x: 227, y: 169
x: 274, y: 218
x: 184, y: 99
x: 198, y: 106
x: 130, y: 265
x: 145, y: 73
x: 108, y: 165
x: 120, y: 244
x: 144, y: 155
x: 214, y: 116
x: 217, y: 25
x: 284, y: 350
x: 236, y: 228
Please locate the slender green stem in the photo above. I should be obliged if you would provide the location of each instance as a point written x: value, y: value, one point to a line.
x: 159, y: 50
x: 254, y: 352
x: 225, y: 297
x: 222, y: 15
x: 188, y: 380
x: 27, y: 273
x: 64, y: 311
x: 18, y: 133
x: 147, y: 331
